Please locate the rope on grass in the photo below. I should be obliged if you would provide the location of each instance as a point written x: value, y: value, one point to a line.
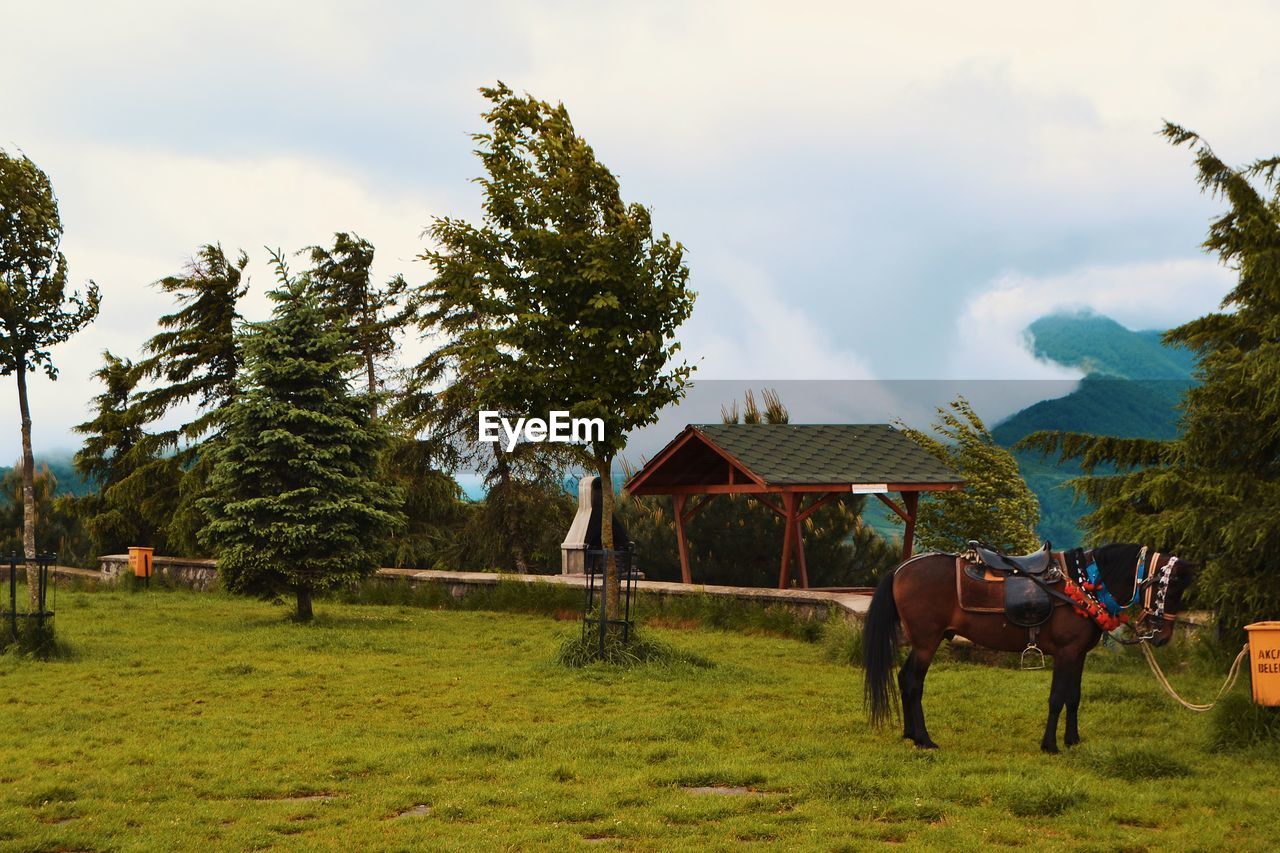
x: 1232, y: 675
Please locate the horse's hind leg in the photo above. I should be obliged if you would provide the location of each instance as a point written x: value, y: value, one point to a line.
x: 911, y: 681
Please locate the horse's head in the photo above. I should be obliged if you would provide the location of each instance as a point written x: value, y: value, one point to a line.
x: 1162, y: 590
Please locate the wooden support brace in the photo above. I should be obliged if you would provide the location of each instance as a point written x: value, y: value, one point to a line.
x: 682, y: 543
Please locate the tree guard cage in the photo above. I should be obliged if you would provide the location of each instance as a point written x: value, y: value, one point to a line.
x: 793, y: 469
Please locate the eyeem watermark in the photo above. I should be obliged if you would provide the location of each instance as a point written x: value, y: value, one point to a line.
x: 559, y: 428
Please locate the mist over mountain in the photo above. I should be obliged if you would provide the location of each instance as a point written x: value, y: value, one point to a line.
x: 1133, y: 386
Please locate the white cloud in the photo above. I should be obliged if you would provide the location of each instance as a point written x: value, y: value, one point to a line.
x: 118, y: 204
x: 990, y: 334
x: 748, y: 329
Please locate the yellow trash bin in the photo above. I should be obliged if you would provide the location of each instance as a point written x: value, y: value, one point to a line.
x: 140, y: 561
x: 1264, y: 661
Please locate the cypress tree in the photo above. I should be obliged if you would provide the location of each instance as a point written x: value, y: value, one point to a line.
x: 1212, y: 493
x: 295, y: 503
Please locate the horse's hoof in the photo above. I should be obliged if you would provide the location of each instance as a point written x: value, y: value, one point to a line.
x: 1050, y: 748
x: 1071, y: 743
x: 927, y: 744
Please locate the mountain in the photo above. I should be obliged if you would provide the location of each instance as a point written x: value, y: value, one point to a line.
x: 69, y: 480
x: 1133, y: 386
x: 1100, y: 346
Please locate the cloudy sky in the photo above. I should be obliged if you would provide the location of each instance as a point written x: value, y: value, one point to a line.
x: 857, y: 183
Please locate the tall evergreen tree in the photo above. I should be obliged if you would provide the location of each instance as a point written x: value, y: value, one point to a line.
x: 574, y: 300
x: 1214, y: 491
x: 996, y: 505
x: 296, y: 505
x: 135, y: 488
x: 369, y: 316
x: 35, y: 311
x: 194, y: 359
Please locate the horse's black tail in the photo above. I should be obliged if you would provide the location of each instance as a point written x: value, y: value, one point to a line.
x: 880, y: 653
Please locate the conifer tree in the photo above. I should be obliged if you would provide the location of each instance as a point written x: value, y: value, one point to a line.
x: 369, y: 316
x: 1213, y: 493
x: 296, y: 505
x: 195, y: 358
x: 996, y: 505
x: 136, y: 489
x: 36, y: 312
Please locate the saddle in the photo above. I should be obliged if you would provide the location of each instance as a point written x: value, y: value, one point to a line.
x: 1036, y: 563
x: 990, y: 582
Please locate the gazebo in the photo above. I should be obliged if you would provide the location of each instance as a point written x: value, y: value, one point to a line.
x: 793, y: 469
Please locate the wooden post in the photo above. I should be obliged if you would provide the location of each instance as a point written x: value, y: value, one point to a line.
x: 685, y: 574
x: 912, y: 501
x: 788, y: 538
x: 804, y: 568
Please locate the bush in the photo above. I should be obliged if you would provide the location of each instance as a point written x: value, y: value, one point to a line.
x: 1239, y: 723
x: 842, y: 641
x: 582, y: 648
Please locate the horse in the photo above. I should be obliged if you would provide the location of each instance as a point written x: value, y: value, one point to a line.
x: 922, y: 597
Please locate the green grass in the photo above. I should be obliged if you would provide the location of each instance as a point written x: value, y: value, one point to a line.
x: 194, y: 722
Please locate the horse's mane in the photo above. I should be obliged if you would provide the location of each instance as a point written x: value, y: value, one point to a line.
x: 1116, y: 565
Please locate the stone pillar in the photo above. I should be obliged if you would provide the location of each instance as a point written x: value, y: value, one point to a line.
x: 573, y: 550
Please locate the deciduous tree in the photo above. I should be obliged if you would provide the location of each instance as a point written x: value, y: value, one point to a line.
x: 996, y: 505
x: 576, y: 300
x: 36, y: 312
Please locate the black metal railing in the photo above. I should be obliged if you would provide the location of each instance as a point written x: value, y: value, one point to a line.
x: 41, y: 615
x: 594, y: 614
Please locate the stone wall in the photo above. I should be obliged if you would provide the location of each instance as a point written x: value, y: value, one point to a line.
x: 172, y: 571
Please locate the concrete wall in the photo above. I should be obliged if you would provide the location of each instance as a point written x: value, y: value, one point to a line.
x: 174, y: 571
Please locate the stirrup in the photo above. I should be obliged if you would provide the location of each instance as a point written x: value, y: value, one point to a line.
x: 1031, y: 648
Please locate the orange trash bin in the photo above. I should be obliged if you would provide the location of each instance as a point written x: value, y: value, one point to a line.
x: 140, y: 561
x: 1264, y: 662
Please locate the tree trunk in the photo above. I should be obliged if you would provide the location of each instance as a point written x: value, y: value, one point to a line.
x: 612, y: 583
x: 28, y: 491
x: 371, y: 373
x: 510, y: 524
x: 304, y: 604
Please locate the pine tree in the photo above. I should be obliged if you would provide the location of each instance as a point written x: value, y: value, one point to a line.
x: 368, y: 315
x: 295, y: 504
x: 996, y: 505
x: 194, y: 359
x: 36, y: 313
x: 136, y: 488
x: 1213, y: 493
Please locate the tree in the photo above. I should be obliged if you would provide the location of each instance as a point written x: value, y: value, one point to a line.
x: 366, y: 314
x: 1213, y: 492
x: 579, y: 301
x: 735, y: 539
x: 35, y: 311
x: 295, y: 504
x: 136, y: 489
x: 194, y: 359
x: 996, y: 505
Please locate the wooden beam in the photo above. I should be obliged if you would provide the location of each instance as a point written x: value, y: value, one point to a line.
x: 902, y: 513
x: 912, y: 500
x: 817, y: 504
x: 757, y: 489
x: 697, y: 508
x: 763, y: 501
x: 788, y: 539
x: 681, y: 543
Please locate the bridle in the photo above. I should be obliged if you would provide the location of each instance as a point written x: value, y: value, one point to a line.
x: 1154, y: 591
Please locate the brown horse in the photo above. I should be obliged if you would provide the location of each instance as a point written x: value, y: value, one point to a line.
x: 921, y: 596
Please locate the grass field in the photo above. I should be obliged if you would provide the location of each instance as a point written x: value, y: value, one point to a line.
x: 190, y: 722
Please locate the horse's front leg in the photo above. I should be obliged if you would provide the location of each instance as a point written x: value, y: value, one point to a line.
x: 1074, y: 676
x: 1057, y: 698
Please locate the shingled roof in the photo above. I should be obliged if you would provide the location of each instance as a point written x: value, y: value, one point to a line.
x: 796, y: 455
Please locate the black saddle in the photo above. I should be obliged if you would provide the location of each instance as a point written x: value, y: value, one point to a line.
x: 1027, y: 564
